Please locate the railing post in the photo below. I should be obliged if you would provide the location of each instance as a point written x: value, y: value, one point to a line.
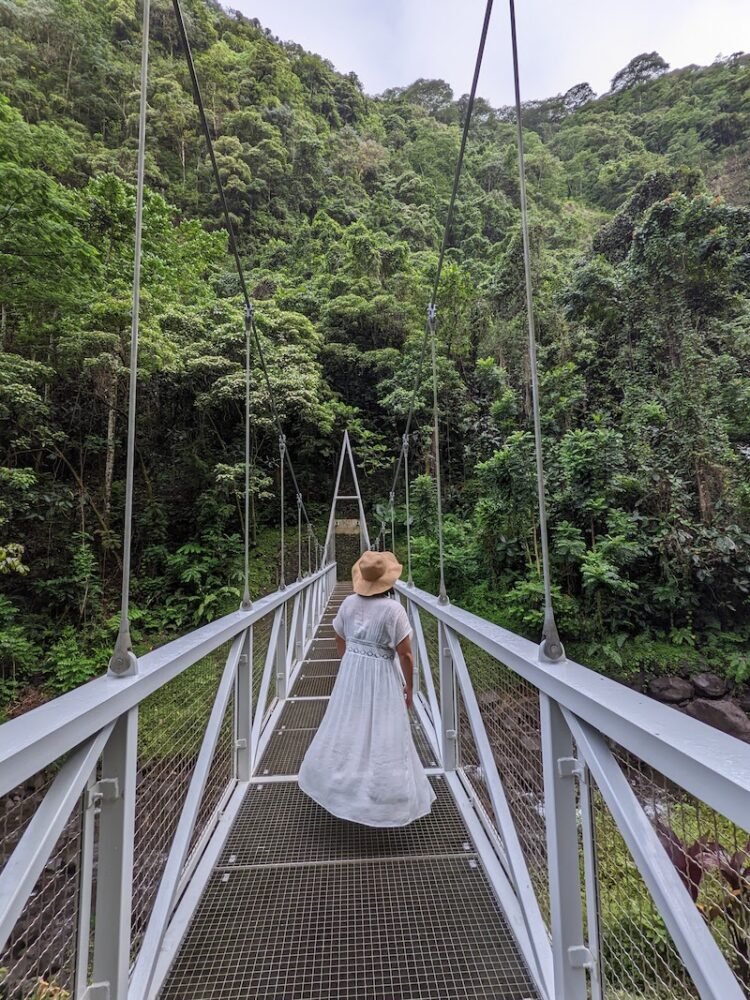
x: 281, y: 675
x: 114, y: 882
x: 449, y: 713
x: 415, y: 649
x: 299, y: 630
x: 571, y: 958
x: 590, y: 874
x: 86, y: 876
x: 243, y: 712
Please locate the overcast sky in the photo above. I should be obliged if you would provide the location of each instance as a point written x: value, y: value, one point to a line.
x: 389, y: 43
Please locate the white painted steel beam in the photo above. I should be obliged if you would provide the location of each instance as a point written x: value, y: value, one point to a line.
x: 426, y: 672
x: 561, y: 823
x: 32, y: 742
x: 518, y: 870
x: 504, y: 892
x: 27, y: 861
x: 189, y: 900
x: 161, y: 911
x: 711, y: 765
x: 114, y: 884
x: 265, y: 685
x: 697, y: 947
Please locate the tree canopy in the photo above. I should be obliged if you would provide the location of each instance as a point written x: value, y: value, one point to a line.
x: 640, y: 224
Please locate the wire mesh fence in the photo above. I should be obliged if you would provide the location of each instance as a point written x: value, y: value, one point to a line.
x: 39, y: 958
x: 261, y: 637
x: 711, y: 856
x: 509, y: 707
x: 220, y: 776
x: 38, y: 961
x: 432, y: 645
x: 172, y: 724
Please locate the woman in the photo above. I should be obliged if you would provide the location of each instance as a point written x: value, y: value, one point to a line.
x: 362, y: 764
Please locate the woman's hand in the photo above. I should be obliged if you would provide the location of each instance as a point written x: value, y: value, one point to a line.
x: 409, y: 696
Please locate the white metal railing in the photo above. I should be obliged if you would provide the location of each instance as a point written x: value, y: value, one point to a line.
x: 573, y: 787
x: 117, y: 888
x: 584, y: 800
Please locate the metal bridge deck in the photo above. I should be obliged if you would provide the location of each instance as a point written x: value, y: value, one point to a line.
x: 304, y: 906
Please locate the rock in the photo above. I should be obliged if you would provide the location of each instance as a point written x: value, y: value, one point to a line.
x: 744, y: 701
x: 671, y: 689
x: 685, y: 669
x: 709, y: 685
x: 724, y: 715
x: 637, y: 681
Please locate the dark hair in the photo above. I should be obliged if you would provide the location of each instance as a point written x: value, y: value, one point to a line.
x: 386, y: 593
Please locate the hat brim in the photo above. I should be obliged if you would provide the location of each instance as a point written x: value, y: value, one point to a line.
x: 369, y: 588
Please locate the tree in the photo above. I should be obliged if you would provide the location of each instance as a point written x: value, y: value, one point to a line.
x: 577, y: 97
x: 646, y: 66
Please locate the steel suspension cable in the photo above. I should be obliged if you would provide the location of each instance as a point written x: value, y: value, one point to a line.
x: 123, y: 660
x: 442, y: 592
x: 282, y: 449
x: 405, y: 449
x: 431, y: 324
x: 299, y: 537
x: 551, y: 645
x: 246, y: 601
x: 392, y: 505
x: 229, y: 225
x: 448, y: 226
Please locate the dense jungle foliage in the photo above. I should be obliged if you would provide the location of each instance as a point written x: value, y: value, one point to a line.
x: 640, y: 206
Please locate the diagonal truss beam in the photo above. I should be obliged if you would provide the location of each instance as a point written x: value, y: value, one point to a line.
x: 346, y: 453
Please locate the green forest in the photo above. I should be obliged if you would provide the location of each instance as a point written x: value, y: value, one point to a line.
x: 640, y: 230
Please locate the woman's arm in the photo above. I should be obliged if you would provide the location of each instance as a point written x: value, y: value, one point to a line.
x: 340, y: 644
x: 406, y: 657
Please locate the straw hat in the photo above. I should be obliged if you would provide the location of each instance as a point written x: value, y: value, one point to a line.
x: 375, y: 572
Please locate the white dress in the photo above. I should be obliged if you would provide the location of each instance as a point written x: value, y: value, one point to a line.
x: 362, y: 764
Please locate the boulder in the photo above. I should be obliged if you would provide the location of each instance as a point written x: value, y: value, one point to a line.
x: 671, y: 689
x: 744, y: 701
x: 724, y: 715
x: 709, y: 685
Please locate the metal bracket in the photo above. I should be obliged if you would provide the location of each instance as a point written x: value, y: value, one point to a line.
x: 240, y: 744
x: 96, y: 991
x: 580, y: 957
x: 451, y: 734
x: 570, y: 767
x: 124, y: 663
x: 106, y: 790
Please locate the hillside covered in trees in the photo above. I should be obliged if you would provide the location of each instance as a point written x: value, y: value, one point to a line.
x: 640, y: 206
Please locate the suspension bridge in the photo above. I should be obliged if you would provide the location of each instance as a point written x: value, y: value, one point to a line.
x: 586, y: 843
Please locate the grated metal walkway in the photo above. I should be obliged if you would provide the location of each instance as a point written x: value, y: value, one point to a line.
x: 304, y: 906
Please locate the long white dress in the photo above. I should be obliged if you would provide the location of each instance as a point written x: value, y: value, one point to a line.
x: 362, y: 764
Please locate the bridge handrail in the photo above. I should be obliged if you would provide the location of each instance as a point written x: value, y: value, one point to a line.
x: 40, y: 737
x: 706, y: 762
x: 569, y: 760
